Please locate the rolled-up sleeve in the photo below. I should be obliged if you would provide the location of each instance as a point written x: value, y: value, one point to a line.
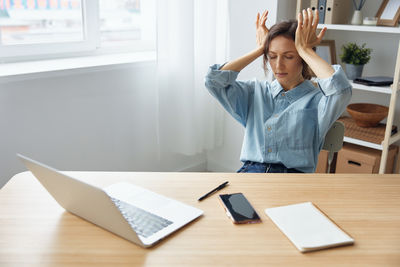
x: 235, y: 96
x: 337, y: 92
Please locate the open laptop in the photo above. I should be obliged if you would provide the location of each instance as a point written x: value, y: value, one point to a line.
x: 132, y: 212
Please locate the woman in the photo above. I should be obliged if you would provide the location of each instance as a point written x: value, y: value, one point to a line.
x: 285, y: 121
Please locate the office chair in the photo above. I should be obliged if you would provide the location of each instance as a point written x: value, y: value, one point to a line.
x: 334, y: 141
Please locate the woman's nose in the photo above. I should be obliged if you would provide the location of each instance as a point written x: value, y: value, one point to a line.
x: 279, y: 62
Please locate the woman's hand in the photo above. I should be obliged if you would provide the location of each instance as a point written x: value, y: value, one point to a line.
x: 306, y: 37
x: 261, y: 30
x: 261, y: 36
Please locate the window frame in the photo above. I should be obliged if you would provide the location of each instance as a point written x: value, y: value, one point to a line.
x: 91, y: 33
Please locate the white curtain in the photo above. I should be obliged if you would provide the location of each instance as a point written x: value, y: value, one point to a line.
x: 191, y: 35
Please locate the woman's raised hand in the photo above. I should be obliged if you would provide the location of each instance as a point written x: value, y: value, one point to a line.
x: 261, y: 29
x: 306, y: 36
x: 306, y: 39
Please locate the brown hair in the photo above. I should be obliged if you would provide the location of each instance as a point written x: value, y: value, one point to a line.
x: 287, y: 29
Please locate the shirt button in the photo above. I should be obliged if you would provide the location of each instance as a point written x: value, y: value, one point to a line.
x: 269, y: 128
x: 283, y: 94
x: 269, y: 150
x: 276, y: 115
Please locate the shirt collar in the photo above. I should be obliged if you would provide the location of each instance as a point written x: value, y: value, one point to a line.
x: 295, y: 93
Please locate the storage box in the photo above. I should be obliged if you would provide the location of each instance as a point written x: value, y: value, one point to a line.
x: 322, y: 166
x: 358, y: 159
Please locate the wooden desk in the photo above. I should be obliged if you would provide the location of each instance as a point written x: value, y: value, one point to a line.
x: 36, y: 231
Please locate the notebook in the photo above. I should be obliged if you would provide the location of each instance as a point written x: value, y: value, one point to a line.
x: 374, y: 80
x: 307, y: 227
x: 130, y: 211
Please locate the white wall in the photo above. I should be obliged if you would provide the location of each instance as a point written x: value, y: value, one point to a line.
x: 94, y: 120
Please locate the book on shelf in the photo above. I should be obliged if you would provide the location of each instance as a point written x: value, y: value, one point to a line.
x: 374, y: 80
x: 338, y: 11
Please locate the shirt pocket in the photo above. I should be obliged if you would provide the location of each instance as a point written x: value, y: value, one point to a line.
x: 302, y: 128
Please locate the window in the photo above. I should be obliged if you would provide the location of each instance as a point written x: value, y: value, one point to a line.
x: 30, y: 28
x: 33, y: 22
x: 128, y: 23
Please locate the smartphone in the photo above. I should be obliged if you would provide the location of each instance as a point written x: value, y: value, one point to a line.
x: 239, y: 209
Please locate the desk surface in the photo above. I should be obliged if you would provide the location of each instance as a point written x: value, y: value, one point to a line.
x: 36, y: 231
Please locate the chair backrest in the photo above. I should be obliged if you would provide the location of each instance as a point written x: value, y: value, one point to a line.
x: 334, y: 141
x: 334, y: 137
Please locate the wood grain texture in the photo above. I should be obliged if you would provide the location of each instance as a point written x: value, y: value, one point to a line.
x: 36, y: 231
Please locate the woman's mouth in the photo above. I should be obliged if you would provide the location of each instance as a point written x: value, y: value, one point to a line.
x: 281, y: 75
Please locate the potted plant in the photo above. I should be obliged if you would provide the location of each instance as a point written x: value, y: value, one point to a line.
x: 355, y: 57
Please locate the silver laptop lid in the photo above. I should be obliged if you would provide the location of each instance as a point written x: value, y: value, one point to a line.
x: 82, y: 199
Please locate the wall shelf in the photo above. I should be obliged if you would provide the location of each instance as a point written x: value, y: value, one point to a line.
x: 391, y: 90
x: 360, y: 28
x: 377, y: 89
x: 360, y: 33
x: 362, y: 143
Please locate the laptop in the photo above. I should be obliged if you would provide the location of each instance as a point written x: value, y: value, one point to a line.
x: 132, y: 212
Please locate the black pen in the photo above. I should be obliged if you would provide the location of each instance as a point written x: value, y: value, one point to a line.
x: 213, y: 191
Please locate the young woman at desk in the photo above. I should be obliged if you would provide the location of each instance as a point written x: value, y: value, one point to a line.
x: 285, y: 121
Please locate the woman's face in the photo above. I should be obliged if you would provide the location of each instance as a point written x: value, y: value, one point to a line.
x: 285, y: 62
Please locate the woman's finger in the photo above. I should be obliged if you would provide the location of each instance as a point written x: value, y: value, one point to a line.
x: 316, y: 19
x: 265, y: 13
x: 264, y: 19
x: 299, y: 20
x: 321, y: 34
x: 305, y: 18
x: 310, y: 17
x: 257, y: 19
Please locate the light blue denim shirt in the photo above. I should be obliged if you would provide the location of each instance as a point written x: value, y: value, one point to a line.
x: 281, y: 127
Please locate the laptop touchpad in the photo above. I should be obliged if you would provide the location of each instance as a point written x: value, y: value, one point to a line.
x: 138, y: 196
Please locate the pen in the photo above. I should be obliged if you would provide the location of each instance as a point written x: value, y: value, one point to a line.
x: 213, y: 191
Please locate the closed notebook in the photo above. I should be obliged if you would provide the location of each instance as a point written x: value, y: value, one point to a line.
x: 374, y: 80
x: 307, y: 227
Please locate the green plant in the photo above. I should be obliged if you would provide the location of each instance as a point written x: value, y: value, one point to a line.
x: 355, y: 54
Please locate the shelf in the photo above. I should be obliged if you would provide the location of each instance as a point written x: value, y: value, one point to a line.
x: 341, y: 34
x: 360, y: 28
x: 392, y: 140
x: 378, y: 89
x: 362, y: 143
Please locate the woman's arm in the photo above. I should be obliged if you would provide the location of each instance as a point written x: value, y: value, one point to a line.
x: 337, y: 94
x: 306, y: 39
x: 261, y: 35
x: 240, y: 63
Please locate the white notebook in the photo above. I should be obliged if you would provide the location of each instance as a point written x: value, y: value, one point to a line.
x: 307, y: 227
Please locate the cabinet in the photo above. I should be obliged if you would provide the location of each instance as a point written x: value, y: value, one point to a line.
x: 392, y: 90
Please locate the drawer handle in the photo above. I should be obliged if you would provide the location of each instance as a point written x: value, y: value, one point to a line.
x: 354, y: 163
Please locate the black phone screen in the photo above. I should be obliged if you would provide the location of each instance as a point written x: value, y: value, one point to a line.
x: 239, y: 208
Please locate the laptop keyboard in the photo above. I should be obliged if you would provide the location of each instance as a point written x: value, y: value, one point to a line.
x: 143, y: 222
